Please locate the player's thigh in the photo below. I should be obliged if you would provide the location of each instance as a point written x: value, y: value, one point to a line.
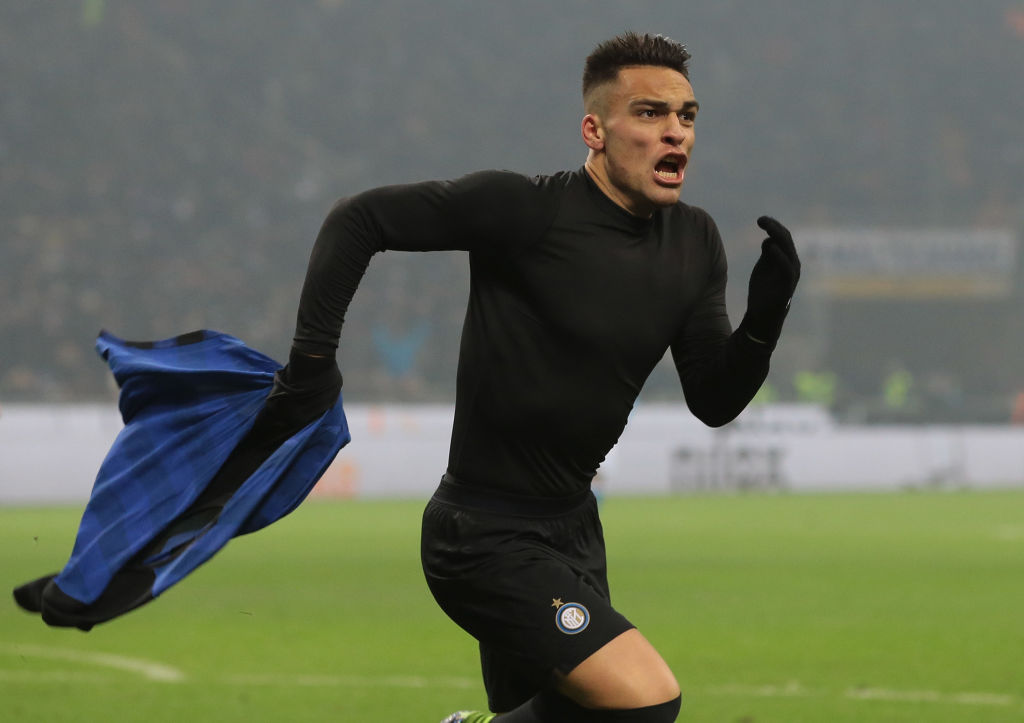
x: 625, y: 673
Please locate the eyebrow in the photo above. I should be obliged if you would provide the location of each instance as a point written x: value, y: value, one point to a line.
x: 662, y: 105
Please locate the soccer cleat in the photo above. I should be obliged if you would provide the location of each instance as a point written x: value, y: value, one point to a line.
x: 469, y: 716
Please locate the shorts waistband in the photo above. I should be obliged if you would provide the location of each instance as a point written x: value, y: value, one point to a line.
x: 455, y: 492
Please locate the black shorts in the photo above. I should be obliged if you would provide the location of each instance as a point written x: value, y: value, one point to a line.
x: 526, y: 577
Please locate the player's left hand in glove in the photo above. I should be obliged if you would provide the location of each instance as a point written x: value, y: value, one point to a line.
x: 772, y: 283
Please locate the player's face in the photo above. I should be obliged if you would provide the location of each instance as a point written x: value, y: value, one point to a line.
x: 641, y: 137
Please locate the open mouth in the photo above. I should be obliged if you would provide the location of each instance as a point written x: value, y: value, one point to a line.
x: 670, y: 168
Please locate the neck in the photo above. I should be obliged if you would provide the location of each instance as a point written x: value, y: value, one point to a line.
x: 598, y: 173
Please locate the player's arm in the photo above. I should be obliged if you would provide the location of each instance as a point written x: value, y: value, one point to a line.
x: 484, y: 211
x: 479, y: 210
x: 721, y: 369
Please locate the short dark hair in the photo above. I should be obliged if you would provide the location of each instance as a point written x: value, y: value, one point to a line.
x: 631, y: 49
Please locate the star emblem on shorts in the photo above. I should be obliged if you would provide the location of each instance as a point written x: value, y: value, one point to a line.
x: 556, y: 602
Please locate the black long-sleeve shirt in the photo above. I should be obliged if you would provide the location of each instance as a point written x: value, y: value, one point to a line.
x: 572, y: 303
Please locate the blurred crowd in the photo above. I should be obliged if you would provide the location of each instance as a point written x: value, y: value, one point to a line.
x: 164, y: 166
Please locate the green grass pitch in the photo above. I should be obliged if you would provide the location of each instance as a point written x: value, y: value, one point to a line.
x: 787, y: 609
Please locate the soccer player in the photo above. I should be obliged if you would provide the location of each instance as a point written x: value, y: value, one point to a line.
x: 580, y: 282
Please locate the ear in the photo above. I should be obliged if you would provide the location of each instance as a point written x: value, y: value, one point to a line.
x: 593, y: 132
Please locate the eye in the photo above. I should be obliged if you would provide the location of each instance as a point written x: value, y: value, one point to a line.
x: 648, y: 113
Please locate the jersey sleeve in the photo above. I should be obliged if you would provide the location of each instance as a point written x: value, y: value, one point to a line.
x: 720, y: 369
x: 489, y: 212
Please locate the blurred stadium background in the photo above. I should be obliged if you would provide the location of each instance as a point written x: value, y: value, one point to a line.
x: 165, y: 165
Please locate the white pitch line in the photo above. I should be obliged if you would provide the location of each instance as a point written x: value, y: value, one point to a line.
x: 54, y: 676
x: 1009, y: 533
x: 146, y: 668
x: 166, y: 674
x: 794, y: 689
x: 930, y: 696
x: 350, y: 681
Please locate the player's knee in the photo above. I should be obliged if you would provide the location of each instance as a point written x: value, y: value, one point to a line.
x: 626, y: 673
x: 663, y: 686
x: 657, y: 687
x: 653, y: 688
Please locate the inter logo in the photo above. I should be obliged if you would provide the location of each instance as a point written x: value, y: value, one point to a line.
x: 572, y: 618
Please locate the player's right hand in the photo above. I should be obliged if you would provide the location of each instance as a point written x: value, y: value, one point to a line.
x: 303, y: 391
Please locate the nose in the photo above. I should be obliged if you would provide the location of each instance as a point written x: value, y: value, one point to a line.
x: 674, y: 133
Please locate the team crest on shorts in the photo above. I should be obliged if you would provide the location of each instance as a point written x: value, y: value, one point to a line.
x: 572, y: 618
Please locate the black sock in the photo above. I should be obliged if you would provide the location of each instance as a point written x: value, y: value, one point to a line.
x: 550, y: 707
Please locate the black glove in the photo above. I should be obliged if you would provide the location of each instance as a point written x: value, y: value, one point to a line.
x: 772, y: 283
x: 303, y: 390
